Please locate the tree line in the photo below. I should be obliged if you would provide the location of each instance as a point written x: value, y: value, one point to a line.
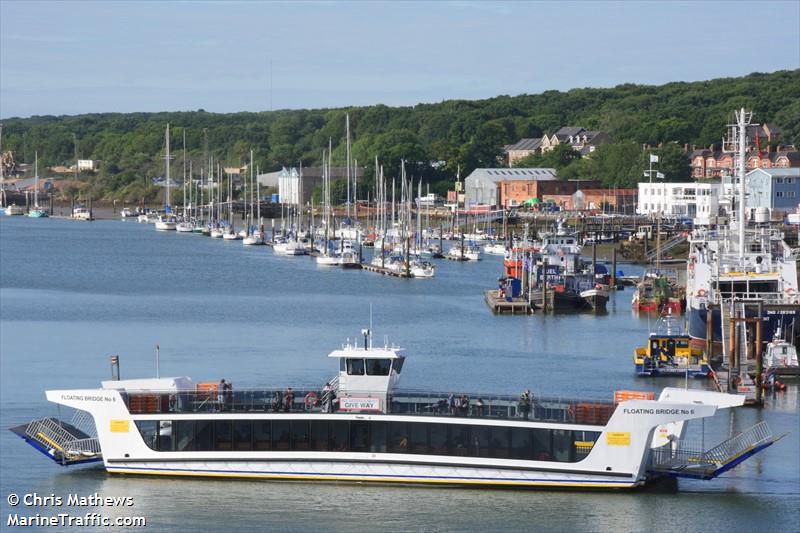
x: 436, y: 140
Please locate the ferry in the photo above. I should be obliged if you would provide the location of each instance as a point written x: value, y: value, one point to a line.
x: 669, y: 352
x: 360, y: 427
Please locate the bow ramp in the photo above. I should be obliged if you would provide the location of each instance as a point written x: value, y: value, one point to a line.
x: 61, y: 441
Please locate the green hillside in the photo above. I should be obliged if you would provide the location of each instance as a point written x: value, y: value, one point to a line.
x: 435, y: 139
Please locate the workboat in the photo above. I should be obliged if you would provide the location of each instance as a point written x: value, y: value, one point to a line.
x: 669, y: 352
x: 348, y: 254
x: 780, y: 357
x: 82, y: 213
x: 595, y: 297
x: 362, y: 428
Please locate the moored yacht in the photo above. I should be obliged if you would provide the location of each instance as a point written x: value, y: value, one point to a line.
x: 361, y: 427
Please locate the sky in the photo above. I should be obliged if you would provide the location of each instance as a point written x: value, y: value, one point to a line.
x: 87, y: 57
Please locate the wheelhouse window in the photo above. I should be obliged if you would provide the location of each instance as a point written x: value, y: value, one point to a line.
x: 355, y: 367
x: 378, y: 367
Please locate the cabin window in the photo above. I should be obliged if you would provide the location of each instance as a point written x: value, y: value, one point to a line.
x: 367, y: 436
x: 541, y: 445
x: 439, y: 442
x: 521, y: 446
x: 300, y: 435
x: 584, y: 442
x: 242, y: 435
x: 562, y: 445
x: 165, y: 436
x: 359, y: 436
x: 184, y: 435
x: 398, y: 437
x: 202, y: 435
x: 459, y: 440
x: 318, y: 435
x: 340, y: 436
x: 378, y: 367
x: 499, y: 443
x: 280, y: 435
x: 223, y: 433
x: 262, y: 435
x: 355, y: 367
x: 378, y: 437
x: 479, y: 447
x: 147, y: 429
x: 418, y: 438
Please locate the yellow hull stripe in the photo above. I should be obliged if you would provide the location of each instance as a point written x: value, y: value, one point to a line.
x: 305, y: 477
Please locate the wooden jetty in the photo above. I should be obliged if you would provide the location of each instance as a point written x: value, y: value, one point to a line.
x: 385, y: 271
x: 499, y: 306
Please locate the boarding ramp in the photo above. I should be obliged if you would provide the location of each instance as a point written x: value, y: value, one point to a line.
x: 61, y: 441
x: 691, y: 462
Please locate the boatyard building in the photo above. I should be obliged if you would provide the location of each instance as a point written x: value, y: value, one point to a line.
x: 481, y: 186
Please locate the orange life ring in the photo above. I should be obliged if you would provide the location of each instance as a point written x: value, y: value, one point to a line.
x: 701, y: 293
x: 311, y: 399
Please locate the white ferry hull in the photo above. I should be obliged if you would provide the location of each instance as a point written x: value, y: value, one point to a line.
x: 387, y: 472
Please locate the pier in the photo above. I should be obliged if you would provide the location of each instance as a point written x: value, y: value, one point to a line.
x: 500, y: 306
x: 386, y: 271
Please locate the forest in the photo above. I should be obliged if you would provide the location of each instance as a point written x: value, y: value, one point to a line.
x: 436, y: 140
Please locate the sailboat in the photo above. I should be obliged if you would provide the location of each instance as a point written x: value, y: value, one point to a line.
x: 327, y: 256
x: 255, y: 236
x: 166, y: 222
x: 36, y: 212
x: 185, y: 225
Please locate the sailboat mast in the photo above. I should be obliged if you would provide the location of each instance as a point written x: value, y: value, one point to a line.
x: 347, y: 170
x: 36, y: 179
x: 166, y: 164
x: 184, y: 173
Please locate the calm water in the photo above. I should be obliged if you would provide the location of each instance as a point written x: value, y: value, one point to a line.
x: 72, y: 293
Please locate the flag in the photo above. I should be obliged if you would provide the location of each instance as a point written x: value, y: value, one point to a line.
x: 659, y: 175
x: 653, y: 158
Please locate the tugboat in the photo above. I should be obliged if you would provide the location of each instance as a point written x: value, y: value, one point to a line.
x: 669, y: 352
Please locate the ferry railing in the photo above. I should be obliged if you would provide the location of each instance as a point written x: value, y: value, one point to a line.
x: 405, y: 402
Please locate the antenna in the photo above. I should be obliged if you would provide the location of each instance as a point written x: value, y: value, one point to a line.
x: 158, y: 363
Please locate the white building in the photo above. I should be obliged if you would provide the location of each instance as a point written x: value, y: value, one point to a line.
x: 480, y: 187
x: 87, y: 165
x: 692, y: 200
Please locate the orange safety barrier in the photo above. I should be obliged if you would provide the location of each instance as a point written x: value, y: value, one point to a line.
x: 207, y: 390
x: 624, y: 395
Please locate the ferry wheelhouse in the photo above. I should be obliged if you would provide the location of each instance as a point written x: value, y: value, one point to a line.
x: 362, y: 427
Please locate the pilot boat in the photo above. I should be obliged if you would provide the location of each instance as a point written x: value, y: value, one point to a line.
x: 360, y: 427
